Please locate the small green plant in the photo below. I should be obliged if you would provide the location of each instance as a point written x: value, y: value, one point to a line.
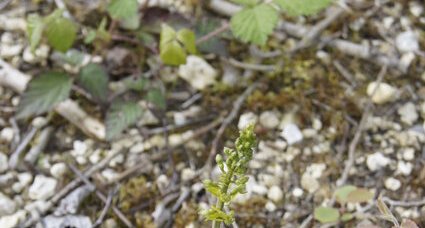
x: 232, y: 180
x: 343, y: 195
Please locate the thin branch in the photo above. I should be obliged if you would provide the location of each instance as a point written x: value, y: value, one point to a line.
x: 352, y: 148
x: 99, y: 194
x: 250, y: 66
x: 414, y: 203
x: 224, y: 27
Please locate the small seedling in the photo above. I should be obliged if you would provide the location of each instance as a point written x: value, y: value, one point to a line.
x: 232, y: 180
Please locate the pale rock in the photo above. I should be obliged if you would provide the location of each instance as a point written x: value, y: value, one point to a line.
x: 408, y: 154
x: 109, y: 174
x: 297, y: 192
x: 268, y: 180
x: 275, y: 194
x: 406, y: 59
x: 416, y: 8
x: 95, y: 156
x: 117, y: 160
x: 12, y: 221
x: 309, y: 132
x: 137, y: 148
x: 7, y: 134
x: 42, y: 188
x: 317, y: 124
x: 269, y: 119
x: 247, y: 119
x: 316, y: 170
x: 259, y: 189
x: 148, y: 118
x: 291, y: 133
x: 408, y: 113
x: 388, y: 22
x: 58, y: 170
x: 376, y: 161
x: 385, y: 92
x: 187, y: 174
x: 10, y: 50
x: 270, y: 206
x: 162, y: 182
x: 4, y: 165
x: 80, y: 148
x: 404, y: 168
x: 407, y: 42
x: 197, y: 72
x: 52, y: 221
x: 309, y: 183
x: 7, y: 205
x: 392, y: 184
x: 24, y: 179
x: 39, y: 122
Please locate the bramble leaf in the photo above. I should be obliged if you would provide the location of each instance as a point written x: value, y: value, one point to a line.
x: 359, y: 195
x: 326, y: 214
x: 341, y: 193
x: 245, y: 2
x: 43, y: 93
x: 254, y: 24
x: 94, y: 79
x: 120, y: 116
x: 122, y: 9
x: 157, y: 98
x: 61, y: 33
x: 302, y: 7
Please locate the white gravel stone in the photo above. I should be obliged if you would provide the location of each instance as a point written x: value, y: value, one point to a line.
x: 297, y: 192
x: 309, y: 183
x: 187, y: 174
x: 407, y: 42
x: 376, y: 161
x: 7, y: 205
x: 291, y: 133
x: 269, y: 119
x: 317, y: 124
x: 197, y: 72
x: 270, y: 206
x: 416, y: 8
x: 80, y: 147
x: 275, y: 194
x: 247, y: 119
x: 4, y: 165
x: 404, y: 168
x: 408, y: 154
x: 109, y: 174
x: 11, y: 221
x: 385, y: 92
x: 39, y: 121
x: 408, y: 113
x: 309, y: 133
x: 315, y: 170
x: 137, y: 148
x: 42, y: 188
x: 58, y: 170
x: 7, y: 134
x: 392, y: 184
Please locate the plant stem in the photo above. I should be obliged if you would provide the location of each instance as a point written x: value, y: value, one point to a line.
x: 220, y: 204
x: 225, y: 26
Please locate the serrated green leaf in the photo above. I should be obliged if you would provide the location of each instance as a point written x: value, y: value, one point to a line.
x: 135, y: 83
x: 35, y: 28
x: 326, y: 214
x: 302, y: 7
x: 43, y: 93
x: 61, y: 33
x: 341, y: 193
x: 156, y: 97
x: 94, y: 79
x: 359, y: 195
x: 188, y: 39
x: 254, y: 24
x: 131, y: 23
x: 246, y: 2
x: 122, y: 9
x: 120, y: 116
